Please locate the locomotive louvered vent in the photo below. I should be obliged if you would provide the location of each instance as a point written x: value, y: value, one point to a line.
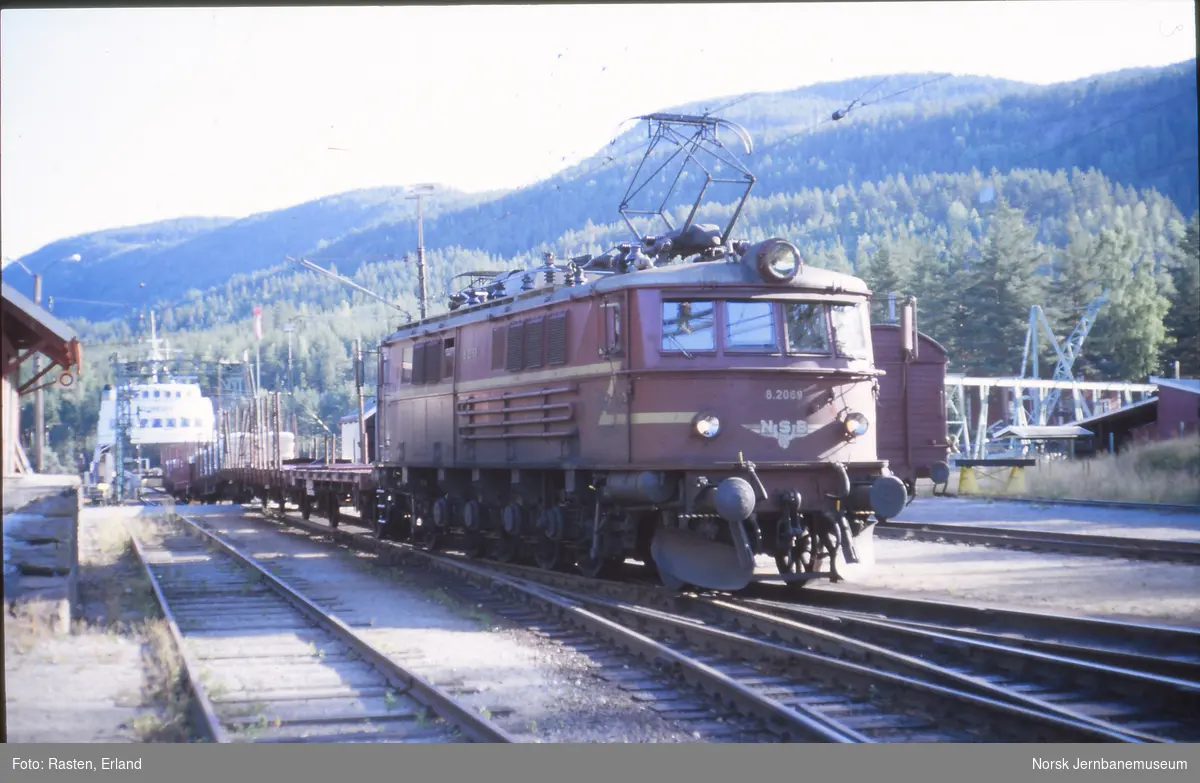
x: 516, y: 333
x: 556, y: 339
x: 533, y: 342
x: 498, y: 347
x: 418, y: 369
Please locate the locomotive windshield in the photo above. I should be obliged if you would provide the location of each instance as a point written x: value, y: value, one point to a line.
x: 807, y: 330
x: 811, y: 328
x: 688, y: 326
x: 850, y: 331
x: 750, y: 326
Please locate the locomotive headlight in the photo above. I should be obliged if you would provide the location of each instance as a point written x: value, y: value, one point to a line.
x: 706, y: 425
x: 856, y: 425
x: 778, y: 261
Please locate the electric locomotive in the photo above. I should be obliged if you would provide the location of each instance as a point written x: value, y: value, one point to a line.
x: 688, y: 400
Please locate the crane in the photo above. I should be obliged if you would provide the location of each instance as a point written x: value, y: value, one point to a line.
x: 1066, y: 354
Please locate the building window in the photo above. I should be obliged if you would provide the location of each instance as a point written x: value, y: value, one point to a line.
x: 499, y: 347
x: 448, y: 358
x: 158, y: 423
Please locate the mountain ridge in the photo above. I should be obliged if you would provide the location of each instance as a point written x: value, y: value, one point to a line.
x: 945, y: 123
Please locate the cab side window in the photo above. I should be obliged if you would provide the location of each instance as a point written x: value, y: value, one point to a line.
x: 611, y: 341
x: 688, y: 326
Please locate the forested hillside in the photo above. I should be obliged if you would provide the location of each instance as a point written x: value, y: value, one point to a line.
x: 979, y: 196
x: 1137, y: 127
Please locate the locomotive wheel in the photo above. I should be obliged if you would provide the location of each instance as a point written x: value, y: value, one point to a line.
x: 798, y: 559
x: 505, y: 548
x: 426, y: 535
x: 643, y: 552
x: 594, y: 568
x: 548, y: 553
x: 474, y: 544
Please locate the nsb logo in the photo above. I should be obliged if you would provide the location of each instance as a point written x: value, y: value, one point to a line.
x: 783, y: 432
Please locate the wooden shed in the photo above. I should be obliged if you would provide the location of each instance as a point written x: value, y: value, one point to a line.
x: 1178, y: 407
x: 26, y: 330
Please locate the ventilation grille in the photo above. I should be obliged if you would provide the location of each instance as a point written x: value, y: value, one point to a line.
x: 533, y: 342
x: 516, y: 333
x: 556, y: 339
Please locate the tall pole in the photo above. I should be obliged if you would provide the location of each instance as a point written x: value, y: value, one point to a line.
x: 220, y: 437
x: 420, y: 262
x: 39, y: 409
x: 359, y: 371
x: 420, y: 192
x: 290, y: 383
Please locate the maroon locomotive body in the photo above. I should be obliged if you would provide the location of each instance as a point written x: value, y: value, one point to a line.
x: 911, y: 406
x: 691, y: 415
x: 687, y: 400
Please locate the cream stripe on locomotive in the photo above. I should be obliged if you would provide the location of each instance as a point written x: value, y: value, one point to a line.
x: 609, y: 419
x: 600, y: 369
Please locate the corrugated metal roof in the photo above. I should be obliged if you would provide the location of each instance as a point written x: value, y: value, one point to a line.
x: 1182, y: 384
x: 1044, y: 433
x: 37, y: 313
x: 368, y: 412
x: 1118, y: 411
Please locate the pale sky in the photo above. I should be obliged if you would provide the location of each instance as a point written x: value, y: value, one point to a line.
x: 117, y: 117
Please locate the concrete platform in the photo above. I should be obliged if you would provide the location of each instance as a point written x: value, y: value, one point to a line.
x: 41, y: 546
x: 1081, y: 520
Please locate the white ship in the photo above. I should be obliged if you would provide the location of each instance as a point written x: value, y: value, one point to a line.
x: 164, y: 412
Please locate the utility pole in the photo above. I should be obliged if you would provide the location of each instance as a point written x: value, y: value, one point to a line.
x: 359, y: 371
x: 39, y: 402
x: 419, y: 192
x: 290, y: 327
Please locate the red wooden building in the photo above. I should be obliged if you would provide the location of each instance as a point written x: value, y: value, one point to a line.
x: 28, y: 329
x: 1178, y: 407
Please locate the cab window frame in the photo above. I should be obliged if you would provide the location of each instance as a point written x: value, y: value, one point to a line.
x: 670, y: 345
x: 727, y: 346
x: 863, y: 328
x: 826, y: 320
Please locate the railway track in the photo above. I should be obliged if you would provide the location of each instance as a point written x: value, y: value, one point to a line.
x: 1136, y: 700
x: 264, y: 664
x: 1042, y: 541
x: 1165, y: 650
x: 814, y: 684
